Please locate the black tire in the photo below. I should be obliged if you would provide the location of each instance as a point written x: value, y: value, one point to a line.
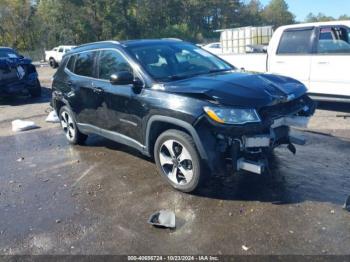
x: 75, y: 137
x: 36, y: 92
x: 52, y: 63
x: 177, y: 137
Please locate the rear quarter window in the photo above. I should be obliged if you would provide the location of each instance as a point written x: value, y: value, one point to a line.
x: 295, y: 42
x: 84, y: 64
x: 71, y: 63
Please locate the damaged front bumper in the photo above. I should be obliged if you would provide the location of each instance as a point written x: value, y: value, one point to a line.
x: 247, y: 147
x: 18, y: 86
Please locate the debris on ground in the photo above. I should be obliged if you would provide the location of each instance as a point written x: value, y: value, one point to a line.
x: 332, y: 211
x: 52, y: 117
x: 245, y: 248
x: 22, y: 125
x: 58, y: 221
x: 347, y: 204
x: 163, y: 218
x: 20, y: 159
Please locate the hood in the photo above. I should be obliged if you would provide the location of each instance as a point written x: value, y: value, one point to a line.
x: 240, y: 89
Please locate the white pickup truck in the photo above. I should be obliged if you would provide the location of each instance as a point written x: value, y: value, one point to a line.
x: 54, y: 56
x: 316, y: 54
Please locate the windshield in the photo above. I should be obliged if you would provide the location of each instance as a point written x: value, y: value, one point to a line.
x: 166, y: 62
x: 7, y: 53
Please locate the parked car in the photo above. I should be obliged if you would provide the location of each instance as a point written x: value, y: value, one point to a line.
x: 178, y: 103
x: 54, y: 56
x: 17, y: 74
x: 214, y: 48
x: 316, y: 54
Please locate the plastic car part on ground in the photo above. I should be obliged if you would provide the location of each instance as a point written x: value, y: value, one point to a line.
x: 22, y: 125
x: 52, y: 117
x: 163, y: 218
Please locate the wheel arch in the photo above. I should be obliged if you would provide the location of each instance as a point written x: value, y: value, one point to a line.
x: 158, y: 124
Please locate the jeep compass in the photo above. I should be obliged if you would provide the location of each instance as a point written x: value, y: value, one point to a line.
x: 180, y: 104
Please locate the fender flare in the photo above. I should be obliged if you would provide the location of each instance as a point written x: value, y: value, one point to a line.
x: 185, y: 125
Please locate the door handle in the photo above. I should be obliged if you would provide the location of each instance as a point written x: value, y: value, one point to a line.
x: 323, y: 63
x: 280, y: 62
x: 98, y: 90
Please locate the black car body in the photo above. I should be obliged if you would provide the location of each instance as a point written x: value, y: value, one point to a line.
x: 17, y: 74
x: 219, y: 112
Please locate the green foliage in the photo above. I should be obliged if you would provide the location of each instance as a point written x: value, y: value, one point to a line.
x: 42, y: 24
x: 276, y: 13
x: 320, y: 17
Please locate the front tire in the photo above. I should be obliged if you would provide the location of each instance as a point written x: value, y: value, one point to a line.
x: 178, y: 161
x: 68, y: 123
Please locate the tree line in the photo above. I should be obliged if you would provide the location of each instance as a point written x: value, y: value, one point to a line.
x: 42, y: 24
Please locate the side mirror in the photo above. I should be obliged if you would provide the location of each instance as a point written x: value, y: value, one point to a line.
x: 122, y: 78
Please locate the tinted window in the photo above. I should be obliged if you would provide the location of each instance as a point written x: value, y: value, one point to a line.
x: 111, y: 62
x: 7, y: 53
x: 60, y: 50
x: 334, y: 40
x: 172, y: 61
x: 295, y: 42
x: 70, y: 64
x: 84, y: 64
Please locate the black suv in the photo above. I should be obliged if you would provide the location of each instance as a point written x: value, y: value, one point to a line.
x: 177, y: 102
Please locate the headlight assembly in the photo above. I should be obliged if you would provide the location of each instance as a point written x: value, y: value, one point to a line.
x: 233, y: 116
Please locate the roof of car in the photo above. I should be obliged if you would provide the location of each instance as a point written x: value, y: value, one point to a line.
x: 126, y: 43
x: 316, y: 24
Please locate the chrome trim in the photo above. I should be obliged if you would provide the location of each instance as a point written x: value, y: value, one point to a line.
x: 115, y: 136
x: 127, y: 121
x: 132, y: 64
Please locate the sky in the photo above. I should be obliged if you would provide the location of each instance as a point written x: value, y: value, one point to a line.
x: 301, y: 8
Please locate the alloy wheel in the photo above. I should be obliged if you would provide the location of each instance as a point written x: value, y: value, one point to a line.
x: 176, y: 162
x: 68, y: 125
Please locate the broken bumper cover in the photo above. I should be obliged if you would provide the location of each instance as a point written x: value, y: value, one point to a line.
x: 248, y: 146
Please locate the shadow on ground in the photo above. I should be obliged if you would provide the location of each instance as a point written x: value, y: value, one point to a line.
x: 17, y: 100
x: 310, y: 175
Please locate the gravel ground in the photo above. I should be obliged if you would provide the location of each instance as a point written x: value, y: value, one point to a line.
x: 96, y: 199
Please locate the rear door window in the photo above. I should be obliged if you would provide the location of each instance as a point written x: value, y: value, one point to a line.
x: 111, y: 62
x: 295, y: 42
x: 334, y: 40
x: 84, y: 64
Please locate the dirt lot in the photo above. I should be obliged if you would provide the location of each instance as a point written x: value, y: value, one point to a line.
x: 96, y: 199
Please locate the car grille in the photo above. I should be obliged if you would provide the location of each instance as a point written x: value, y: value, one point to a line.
x: 284, y: 109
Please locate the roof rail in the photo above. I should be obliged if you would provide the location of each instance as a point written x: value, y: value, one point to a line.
x: 172, y: 38
x: 99, y: 42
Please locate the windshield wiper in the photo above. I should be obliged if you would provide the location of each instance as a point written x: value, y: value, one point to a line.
x: 219, y: 70
x: 179, y: 77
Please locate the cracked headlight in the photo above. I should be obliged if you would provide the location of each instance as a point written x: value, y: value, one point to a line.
x: 232, y: 116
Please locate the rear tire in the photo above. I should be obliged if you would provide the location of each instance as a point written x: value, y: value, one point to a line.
x: 36, y: 92
x: 178, y: 161
x: 70, y: 128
